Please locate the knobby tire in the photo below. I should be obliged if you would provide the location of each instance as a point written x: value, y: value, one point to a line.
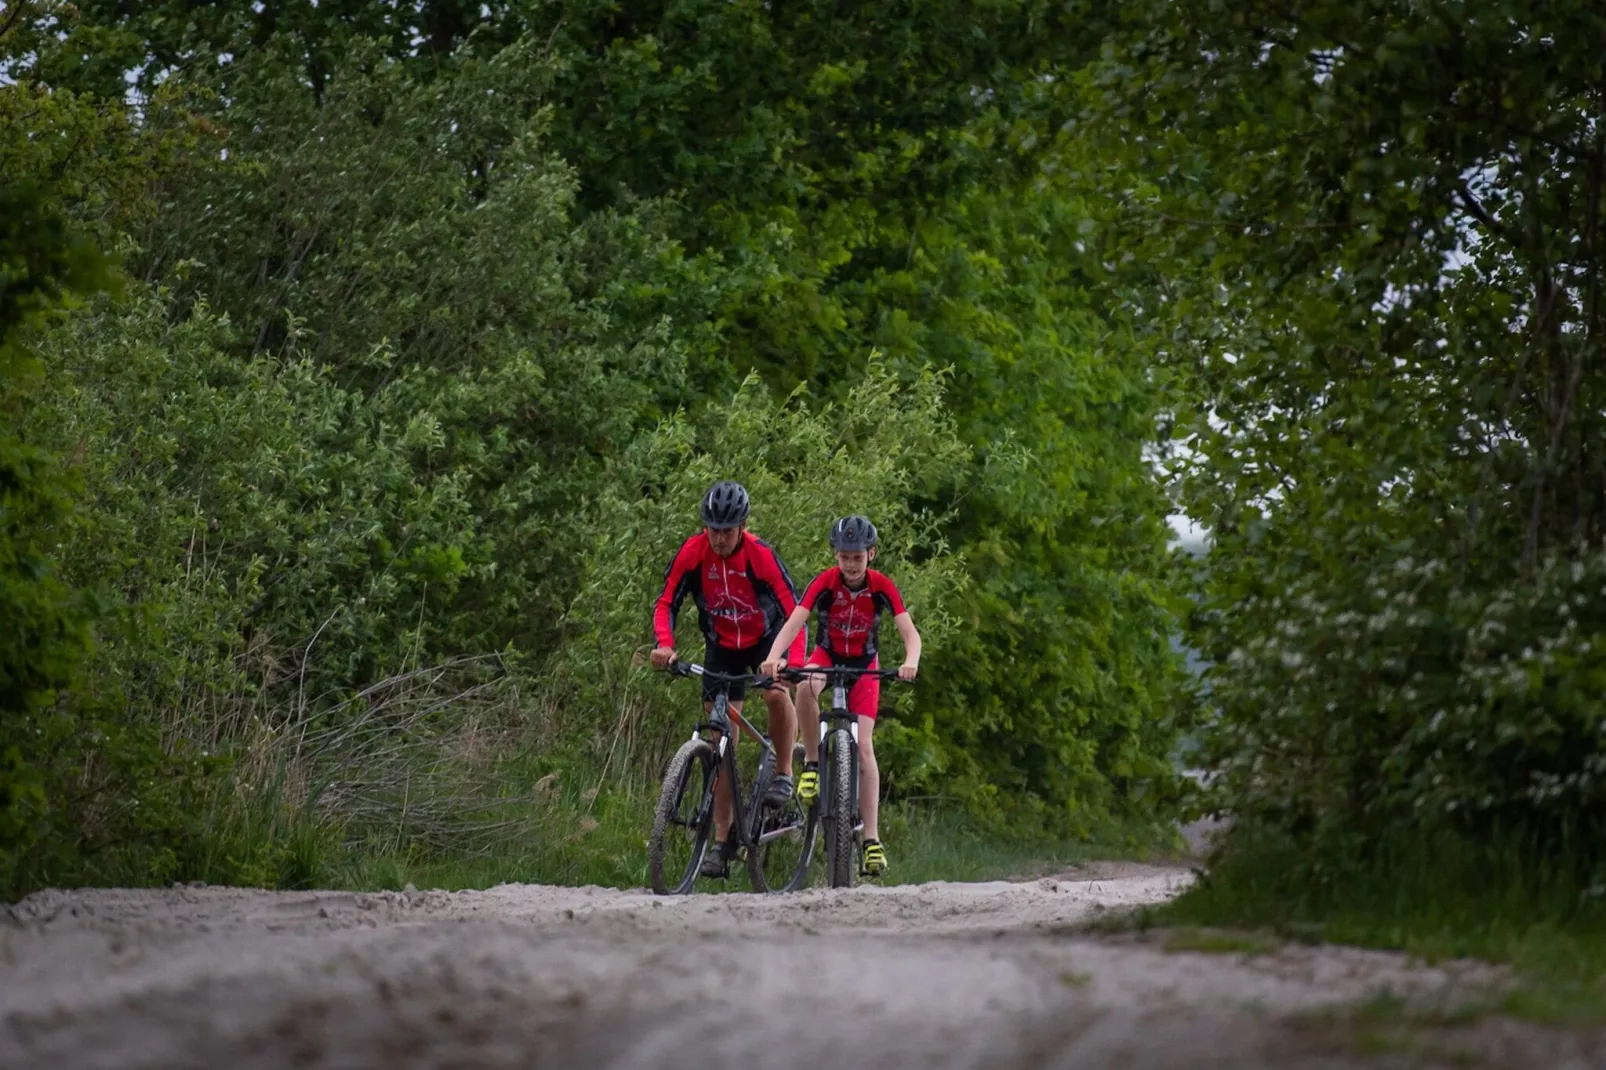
x: 841, y: 865
x: 686, y: 782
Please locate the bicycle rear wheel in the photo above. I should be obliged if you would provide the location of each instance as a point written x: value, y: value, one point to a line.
x: 840, y: 863
x: 684, y: 819
x: 790, y: 840
x: 786, y: 836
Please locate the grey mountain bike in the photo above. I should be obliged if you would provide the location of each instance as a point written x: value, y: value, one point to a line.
x: 777, y: 841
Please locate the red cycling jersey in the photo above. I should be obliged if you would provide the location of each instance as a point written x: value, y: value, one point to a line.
x: 740, y: 599
x: 847, y: 619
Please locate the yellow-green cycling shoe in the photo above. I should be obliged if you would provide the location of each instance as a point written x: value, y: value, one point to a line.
x: 875, y: 858
x: 808, y: 783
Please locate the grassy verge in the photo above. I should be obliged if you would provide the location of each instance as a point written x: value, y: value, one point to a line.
x: 605, y: 844
x: 941, y: 843
x: 1433, y: 897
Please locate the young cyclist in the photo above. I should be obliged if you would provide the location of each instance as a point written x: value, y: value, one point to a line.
x: 743, y: 595
x: 848, y: 601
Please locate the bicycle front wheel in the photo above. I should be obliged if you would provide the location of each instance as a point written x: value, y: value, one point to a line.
x: 684, y: 819
x: 840, y: 862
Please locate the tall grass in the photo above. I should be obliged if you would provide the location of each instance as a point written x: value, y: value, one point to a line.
x: 459, y: 767
x: 472, y: 773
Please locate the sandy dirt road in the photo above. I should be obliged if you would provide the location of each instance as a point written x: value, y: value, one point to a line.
x: 934, y: 975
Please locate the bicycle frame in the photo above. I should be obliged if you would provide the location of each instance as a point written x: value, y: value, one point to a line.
x: 720, y: 718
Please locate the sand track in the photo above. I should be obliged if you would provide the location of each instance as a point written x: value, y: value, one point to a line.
x: 934, y: 975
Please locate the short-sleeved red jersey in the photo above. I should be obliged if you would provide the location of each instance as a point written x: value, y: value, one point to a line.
x: 740, y: 599
x: 846, y: 620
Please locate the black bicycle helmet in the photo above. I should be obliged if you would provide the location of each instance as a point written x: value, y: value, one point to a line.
x: 853, y: 533
x: 725, y: 505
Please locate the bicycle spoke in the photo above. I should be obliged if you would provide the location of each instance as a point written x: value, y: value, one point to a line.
x: 681, y: 824
x: 786, y: 846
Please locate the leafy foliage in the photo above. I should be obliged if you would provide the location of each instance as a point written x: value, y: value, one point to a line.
x: 443, y: 314
x: 45, y: 634
x: 805, y: 464
x: 1378, y: 230
x: 44, y: 262
x: 434, y: 367
x: 1060, y: 685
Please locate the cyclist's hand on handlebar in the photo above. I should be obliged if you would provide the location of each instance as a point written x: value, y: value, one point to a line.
x: 908, y: 670
x: 663, y: 657
x: 773, y: 667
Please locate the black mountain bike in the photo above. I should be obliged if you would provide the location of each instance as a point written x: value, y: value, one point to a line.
x: 837, y: 805
x: 778, y: 841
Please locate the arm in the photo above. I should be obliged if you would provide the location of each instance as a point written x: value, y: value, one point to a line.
x: 911, y: 646
x: 676, y: 585
x: 783, y: 640
x: 797, y: 617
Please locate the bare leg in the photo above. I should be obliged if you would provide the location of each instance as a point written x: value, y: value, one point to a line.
x: 808, y: 717
x: 783, y: 727
x: 869, y: 779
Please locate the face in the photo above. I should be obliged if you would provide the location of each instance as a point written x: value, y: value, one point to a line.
x: 725, y: 540
x: 854, y: 564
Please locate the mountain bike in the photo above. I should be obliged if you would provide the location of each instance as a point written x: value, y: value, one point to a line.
x: 838, y: 801
x: 778, y: 841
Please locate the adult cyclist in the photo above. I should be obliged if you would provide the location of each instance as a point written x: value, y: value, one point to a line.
x: 743, y: 595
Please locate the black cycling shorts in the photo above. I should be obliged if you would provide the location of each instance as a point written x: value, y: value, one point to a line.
x: 747, y: 660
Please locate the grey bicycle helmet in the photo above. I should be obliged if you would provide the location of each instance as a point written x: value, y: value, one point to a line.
x: 853, y: 533
x: 725, y: 505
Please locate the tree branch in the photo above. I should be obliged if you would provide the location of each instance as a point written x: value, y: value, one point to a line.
x: 1476, y: 210
x: 13, y: 15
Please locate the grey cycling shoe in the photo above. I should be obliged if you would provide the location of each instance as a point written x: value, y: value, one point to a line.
x: 714, y: 864
x: 780, y: 791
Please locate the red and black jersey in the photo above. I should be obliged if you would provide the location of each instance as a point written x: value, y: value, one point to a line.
x: 740, y: 599
x: 846, y: 620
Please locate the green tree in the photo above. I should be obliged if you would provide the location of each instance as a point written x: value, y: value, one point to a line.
x: 456, y: 359
x: 42, y: 263
x: 1375, y: 239
x: 424, y: 275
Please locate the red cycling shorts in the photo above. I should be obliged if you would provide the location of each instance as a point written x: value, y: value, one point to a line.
x: 864, y: 696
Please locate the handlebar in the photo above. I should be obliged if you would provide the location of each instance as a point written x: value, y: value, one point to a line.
x: 796, y: 675
x: 687, y: 668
